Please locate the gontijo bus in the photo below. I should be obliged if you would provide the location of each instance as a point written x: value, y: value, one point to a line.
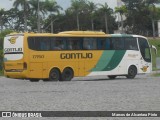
x: 68, y: 54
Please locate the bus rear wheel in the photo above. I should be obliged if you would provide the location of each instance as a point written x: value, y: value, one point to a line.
x: 54, y: 75
x: 132, y: 72
x: 67, y: 74
x: 112, y: 76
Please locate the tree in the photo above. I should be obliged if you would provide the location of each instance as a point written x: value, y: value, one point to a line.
x: 139, y: 17
x: 92, y: 8
x: 151, y: 6
x: 121, y: 10
x: 52, y: 7
x: 24, y: 4
x: 37, y: 10
x: 78, y: 6
x: 106, y: 10
x: 2, y: 14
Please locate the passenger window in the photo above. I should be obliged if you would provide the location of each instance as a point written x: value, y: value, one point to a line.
x: 117, y: 43
x: 104, y: 44
x: 74, y: 43
x: 131, y: 44
x: 89, y: 43
x: 58, y: 44
x: 44, y: 44
x: 39, y: 43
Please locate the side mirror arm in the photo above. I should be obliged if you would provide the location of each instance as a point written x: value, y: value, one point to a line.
x: 155, y: 49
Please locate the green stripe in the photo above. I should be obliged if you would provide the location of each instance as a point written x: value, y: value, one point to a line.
x: 109, y: 60
x: 116, y: 59
x: 104, y: 60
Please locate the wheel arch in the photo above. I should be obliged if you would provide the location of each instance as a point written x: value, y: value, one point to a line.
x: 131, y: 66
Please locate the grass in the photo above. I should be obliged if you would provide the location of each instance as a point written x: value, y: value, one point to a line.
x: 155, y: 42
x: 156, y: 75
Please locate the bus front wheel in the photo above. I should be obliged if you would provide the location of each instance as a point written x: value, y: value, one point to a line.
x: 54, y: 75
x: 132, y: 72
x: 67, y: 74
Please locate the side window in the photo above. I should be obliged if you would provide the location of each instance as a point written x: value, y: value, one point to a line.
x: 108, y: 44
x: 58, y: 43
x: 89, y: 43
x: 31, y: 43
x: 117, y: 43
x: 44, y: 44
x: 74, y: 43
x: 131, y: 43
x: 104, y: 44
x: 39, y: 43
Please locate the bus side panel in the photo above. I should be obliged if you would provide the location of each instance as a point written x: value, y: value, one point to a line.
x: 108, y: 63
x: 36, y: 69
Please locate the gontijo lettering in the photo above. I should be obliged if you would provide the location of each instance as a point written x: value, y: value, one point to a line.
x: 6, y: 50
x: 76, y: 55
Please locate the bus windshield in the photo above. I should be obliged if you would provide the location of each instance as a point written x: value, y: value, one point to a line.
x: 144, y: 49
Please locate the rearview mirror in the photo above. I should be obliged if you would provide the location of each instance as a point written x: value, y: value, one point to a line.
x: 155, y: 49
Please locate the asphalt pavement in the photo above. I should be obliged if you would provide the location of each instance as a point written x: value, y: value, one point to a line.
x: 82, y: 94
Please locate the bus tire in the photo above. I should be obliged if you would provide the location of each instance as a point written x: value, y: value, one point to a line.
x: 132, y: 72
x: 112, y: 76
x: 54, y: 75
x: 67, y: 74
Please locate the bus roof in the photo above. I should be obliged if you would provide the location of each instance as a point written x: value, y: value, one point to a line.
x: 75, y: 34
x: 82, y: 33
x: 126, y: 35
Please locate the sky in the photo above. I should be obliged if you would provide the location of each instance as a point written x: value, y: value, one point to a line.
x: 7, y: 4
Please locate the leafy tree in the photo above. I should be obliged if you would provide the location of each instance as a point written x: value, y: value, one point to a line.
x: 92, y: 8
x: 106, y: 11
x: 33, y: 17
x: 121, y: 10
x: 52, y: 7
x: 139, y: 15
x: 24, y: 5
x: 2, y: 13
x: 81, y: 11
x: 14, y: 19
x: 152, y: 9
x: 77, y: 6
